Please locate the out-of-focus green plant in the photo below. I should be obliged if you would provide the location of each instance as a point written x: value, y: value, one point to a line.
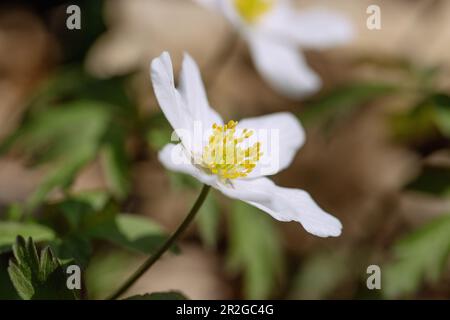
x: 255, y: 249
x: 74, y: 120
x: 10, y: 229
x: 425, y: 127
x: 321, y: 274
x: 422, y: 254
x: 86, y: 217
x: 71, y: 227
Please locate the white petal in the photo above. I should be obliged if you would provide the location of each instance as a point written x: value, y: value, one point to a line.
x: 285, y: 204
x: 313, y: 28
x: 193, y: 91
x: 173, y: 157
x: 228, y: 10
x: 281, y: 135
x: 186, y: 109
x: 168, y: 97
x: 210, y: 4
x: 282, y: 66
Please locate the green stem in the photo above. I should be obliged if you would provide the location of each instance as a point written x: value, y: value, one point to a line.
x: 166, y: 246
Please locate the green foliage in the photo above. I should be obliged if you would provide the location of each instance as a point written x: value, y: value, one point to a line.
x: 73, y: 248
x: 75, y: 119
x: 80, y: 211
x: 7, y: 290
x: 37, y: 277
x: 67, y: 131
x: 255, y: 249
x: 321, y: 275
x: 68, y: 137
x: 72, y: 120
x: 208, y: 221
x: 96, y: 216
x: 130, y: 231
x: 422, y: 255
x: 106, y: 271
x: 429, y: 118
x: 170, y: 295
x: 72, y: 83
x: 115, y: 162
x: 208, y: 217
x: 159, y: 131
x: 9, y: 230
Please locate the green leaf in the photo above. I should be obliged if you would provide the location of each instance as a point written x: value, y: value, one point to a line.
x: 208, y: 221
x: 432, y: 180
x: 10, y: 230
x: 116, y: 162
x: 96, y: 216
x: 107, y: 270
x: 73, y: 83
x: 255, y: 249
x: 7, y: 290
x: 56, y: 134
x: 159, y: 131
x: 320, y: 275
x: 73, y: 248
x: 61, y: 176
x: 14, y: 212
x: 343, y: 100
x: 158, y: 138
x: 21, y: 282
x: 37, y: 277
x: 132, y: 232
x: 80, y: 211
x: 442, y: 104
x: 419, y: 257
x: 429, y: 118
x: 55, y: 137
x: 171, y: 295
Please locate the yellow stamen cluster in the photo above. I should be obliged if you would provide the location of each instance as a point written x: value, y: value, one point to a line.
x: 225, y: 157
x: 252, y: 10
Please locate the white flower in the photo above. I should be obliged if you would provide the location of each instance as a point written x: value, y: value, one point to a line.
x: 275, y: 31
x: 207, y: 157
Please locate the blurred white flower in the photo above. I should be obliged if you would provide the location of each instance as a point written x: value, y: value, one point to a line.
x: 275, y: 31
x: 231, y: 157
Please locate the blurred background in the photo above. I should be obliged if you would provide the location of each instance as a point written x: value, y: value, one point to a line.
x: 80, y: 130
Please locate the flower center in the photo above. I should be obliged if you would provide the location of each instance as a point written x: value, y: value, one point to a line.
x: 225, y: 154
x: 252, y: 10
